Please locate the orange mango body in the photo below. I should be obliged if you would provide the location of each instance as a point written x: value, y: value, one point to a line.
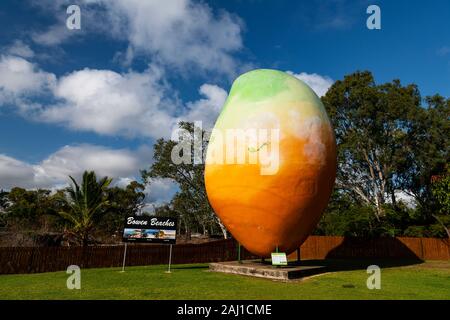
x: 279, y: 210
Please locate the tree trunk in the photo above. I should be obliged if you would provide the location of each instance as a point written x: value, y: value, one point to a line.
x: 393, y: 198
x: 442, y: 224
x: 85, y: 239
x: 377, y: 193
x: 222, y: 228
x: 187, y: 230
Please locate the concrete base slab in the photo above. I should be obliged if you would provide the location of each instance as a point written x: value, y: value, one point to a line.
x: 264, y: 270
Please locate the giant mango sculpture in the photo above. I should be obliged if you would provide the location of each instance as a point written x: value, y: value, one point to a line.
x: 271, y: 162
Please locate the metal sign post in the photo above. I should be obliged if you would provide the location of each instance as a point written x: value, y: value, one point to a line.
x: 149, y: 229
x: 124, y: 257
x: 170, y: 258
x: 239, y: 253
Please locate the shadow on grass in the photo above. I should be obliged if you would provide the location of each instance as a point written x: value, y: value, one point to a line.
x: 189, y: 267
x: 333, y: 265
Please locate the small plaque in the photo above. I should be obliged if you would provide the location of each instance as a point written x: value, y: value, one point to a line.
x: 279, y: 259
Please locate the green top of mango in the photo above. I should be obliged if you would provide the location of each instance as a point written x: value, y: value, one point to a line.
x: 264, y: 91
x: 262, y: 84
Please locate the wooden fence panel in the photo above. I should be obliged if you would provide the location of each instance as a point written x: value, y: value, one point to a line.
x: 47, y: 259
x: 435, y: 249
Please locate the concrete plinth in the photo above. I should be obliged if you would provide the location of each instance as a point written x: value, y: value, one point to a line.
x: 263, y: 270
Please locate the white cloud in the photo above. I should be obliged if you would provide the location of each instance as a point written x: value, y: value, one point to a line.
x: 122, y: 182
x: 184, y: 35
x: 52, y: 173
x: 20, y: 49
x: 320, y: 84
x: 106, y: 102
x: 206, y: 109
x: 179, y: 33
x: 20, y: 78
x: 53, y: 35
x: 160, y: 190
x: 73, y: 160
x: 14, y: 172
x: 111, y: 103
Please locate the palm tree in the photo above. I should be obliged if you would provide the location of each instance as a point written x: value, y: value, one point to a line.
x: 84, y: 204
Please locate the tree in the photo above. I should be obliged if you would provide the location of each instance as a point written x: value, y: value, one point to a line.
x: 3, y: 206
x: 85, y: 204
x: 191, y: 216
x: 28, y: 208
x: 346, y: 217
x: 429, y: 156
x: 188, y: 176
x: 387, y: 142
x: 30, y: 217
x: 123, y: 202
x: 441, y: 192
x: 3, y: 200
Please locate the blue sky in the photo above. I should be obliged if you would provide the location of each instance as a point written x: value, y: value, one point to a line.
x: 97, y: 98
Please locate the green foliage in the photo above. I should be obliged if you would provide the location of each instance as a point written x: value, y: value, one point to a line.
x: 122, y: 202
x: 3, y: 207
x: 190, y: 204
x: 441, y: 192
x: 372, y: 126
x: 430, y: 151
x: 388, y: 141
x: 353, y: 221
x: 82, y: 212
x: 3, y: 200
x: 85, y: 204
x: 28, y: 209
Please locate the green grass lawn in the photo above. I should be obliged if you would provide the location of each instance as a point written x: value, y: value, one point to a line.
x: 429, y: 280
